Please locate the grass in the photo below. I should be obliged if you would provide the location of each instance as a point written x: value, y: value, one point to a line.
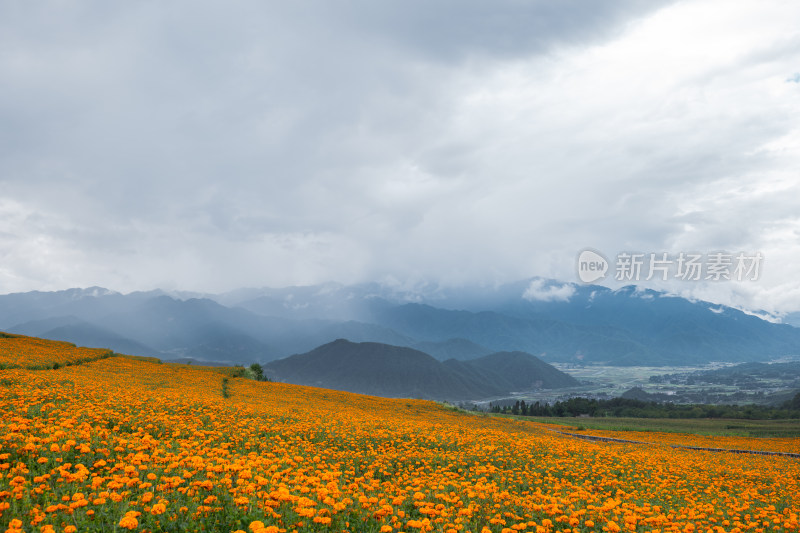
x: 694, y: 426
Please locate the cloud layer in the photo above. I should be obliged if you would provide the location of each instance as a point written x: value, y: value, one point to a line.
x: 196, y: 146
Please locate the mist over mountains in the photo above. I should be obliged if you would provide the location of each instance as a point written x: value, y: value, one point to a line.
x: 554, y: 321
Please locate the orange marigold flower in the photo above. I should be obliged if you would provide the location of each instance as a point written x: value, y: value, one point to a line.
x: 129, y: 520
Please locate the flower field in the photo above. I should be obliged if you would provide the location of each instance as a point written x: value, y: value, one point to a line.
x: 119, y: 444
x: 32, y: 353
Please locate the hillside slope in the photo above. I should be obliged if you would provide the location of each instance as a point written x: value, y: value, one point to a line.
x: 125, y: 444
x: 524, y: 371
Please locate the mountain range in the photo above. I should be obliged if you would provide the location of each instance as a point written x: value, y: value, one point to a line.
x: 557, y: 322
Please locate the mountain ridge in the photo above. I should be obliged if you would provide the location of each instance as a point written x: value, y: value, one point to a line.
x: 590, y: 324
x: 396, y: 371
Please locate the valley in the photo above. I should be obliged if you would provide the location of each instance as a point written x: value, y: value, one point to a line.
x: 680, y: 384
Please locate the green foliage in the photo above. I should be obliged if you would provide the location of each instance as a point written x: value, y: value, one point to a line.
x: 794, y: 403
x: 696, y: 426
x: 258, y: 372
x: 254, y: 371
x: 631, y: 408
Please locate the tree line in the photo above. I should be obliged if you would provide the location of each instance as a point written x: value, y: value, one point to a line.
x: 631, y: 408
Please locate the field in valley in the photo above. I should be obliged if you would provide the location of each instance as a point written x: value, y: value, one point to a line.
x: 116, y: 443
x: 695, y: 426
x: 604, y: 382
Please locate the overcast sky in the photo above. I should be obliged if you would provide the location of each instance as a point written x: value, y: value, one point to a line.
x: 211, y: 145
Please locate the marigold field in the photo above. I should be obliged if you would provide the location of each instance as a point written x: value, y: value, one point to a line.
x: 120, y: 443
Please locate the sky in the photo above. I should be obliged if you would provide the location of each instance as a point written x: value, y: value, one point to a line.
x: 205, y: 146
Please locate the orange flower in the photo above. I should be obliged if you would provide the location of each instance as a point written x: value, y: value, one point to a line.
x: 128, y: 522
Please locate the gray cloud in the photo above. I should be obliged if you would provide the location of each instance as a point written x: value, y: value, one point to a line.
x: 264, y: 143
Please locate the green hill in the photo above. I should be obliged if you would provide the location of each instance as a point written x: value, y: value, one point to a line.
x: 394, y: 371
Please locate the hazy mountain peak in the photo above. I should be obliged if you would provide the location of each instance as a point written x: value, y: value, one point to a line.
x: 548, y: 290
x: 88, y: 292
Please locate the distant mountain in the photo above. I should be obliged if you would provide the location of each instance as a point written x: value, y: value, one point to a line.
x: 37, y: 328
x: 674, y: 330
x: 793, y: 319
x: 460, y: 349
x: 394, y: 371
x: 637, y: 393
x: 155, y: 324
x: 550, y: 339
x: 372, y: 368
x: 621, y: 327
x: 360, y: 332
x: 326, y: 301
x: 329, y: 301
x: 523, y: 371
x: 558, y: 322
x: 81, y: 333
x: 760, y: 374
x: 86, y: 304
x: 195, y: 328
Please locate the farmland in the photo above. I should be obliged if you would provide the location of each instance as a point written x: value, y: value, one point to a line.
x: 684, y: 386
x: 698, y: 427
x: 119, y: 443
